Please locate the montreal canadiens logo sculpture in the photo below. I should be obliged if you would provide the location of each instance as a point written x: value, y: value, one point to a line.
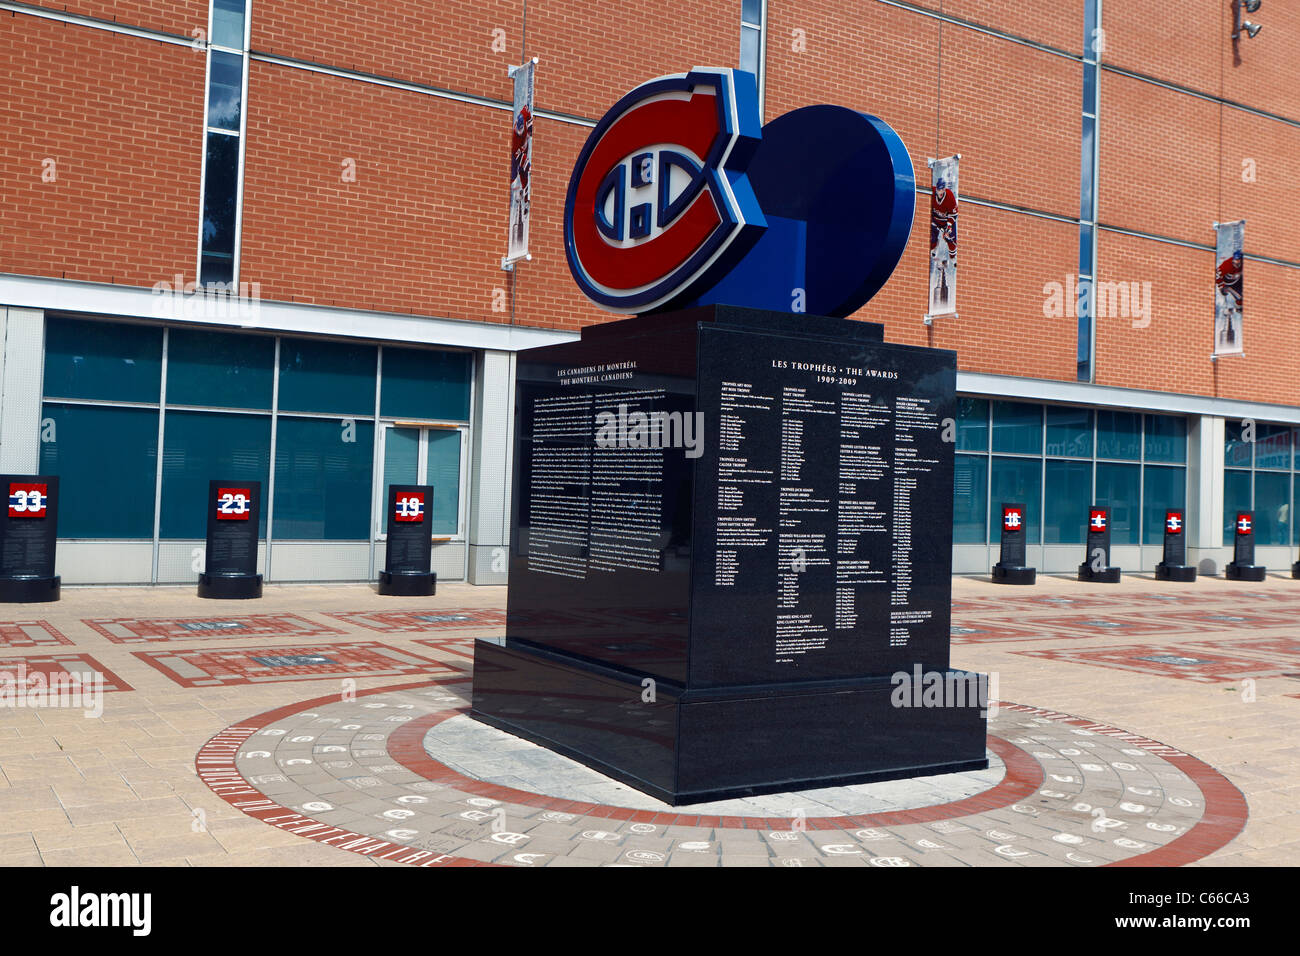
x: 679, y: 198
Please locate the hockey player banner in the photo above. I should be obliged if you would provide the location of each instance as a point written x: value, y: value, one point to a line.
x: 943, y: 236
x: 521, y: 161
x: 1228, y: 257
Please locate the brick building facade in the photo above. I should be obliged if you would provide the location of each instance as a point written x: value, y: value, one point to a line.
x: 349, y: 162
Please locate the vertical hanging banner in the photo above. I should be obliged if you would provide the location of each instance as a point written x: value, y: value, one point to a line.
x: 943, y: 236
x: 1228, y: 256
x: 521, y: 162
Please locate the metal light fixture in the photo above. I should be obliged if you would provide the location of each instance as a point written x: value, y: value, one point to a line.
x: 1249, y: 6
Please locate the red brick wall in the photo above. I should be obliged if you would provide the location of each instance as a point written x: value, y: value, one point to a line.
x: 1172, y: 353
x: 422, y: 229
x: 1159, y: 160
x: 179, y: 17
x: 122, y: 119
x: 593, y: 51
x: 447, y: 43
x: 1001, y: 326
x: 410, y: 234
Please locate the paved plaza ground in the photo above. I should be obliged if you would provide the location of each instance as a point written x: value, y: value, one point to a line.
x: 1143, y: 723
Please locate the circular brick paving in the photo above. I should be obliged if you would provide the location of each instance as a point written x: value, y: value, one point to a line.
x: 363, y: 775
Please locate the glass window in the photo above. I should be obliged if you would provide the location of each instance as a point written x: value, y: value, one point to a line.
x: 336, y: 377
x: 972, y: 424
x: 423, y: 383
x: 1069, y: 432
x: 751, y: 11
x: 1118, y: 488
x: 443, y: 472
x: 107, y: 461
x: 228, y: 23
x: 1119, y: 435
x: 225, y: 89
x: 1165, y: 489
x: 1236, y: 451
x: 1069, y: 485
x: 1019, y: 481
x: 749, y: 50
x: 1017, y: 428
x: 220, y: 192
x: 1273, y: 447
x: 401, y: 457
x: 1166, y: 440
x: 970, y: 499
x: 222, y: 369
x: 322, y: 479
x: 1236, y: 497
x: 199, y: 447
x: 1295, y: 521
x: 1272, y: 507
x: 103, y: 360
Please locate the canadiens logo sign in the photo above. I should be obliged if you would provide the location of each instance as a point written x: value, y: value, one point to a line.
x: 1097, y: 519
x: 1174, y: 522
x: 1012, y: 519
x: 680, y: 197
x: 1245, y: 523
x: 659, y: 202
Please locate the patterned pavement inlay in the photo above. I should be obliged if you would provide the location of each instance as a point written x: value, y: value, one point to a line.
x: 131, y: 630
x: 364, y: 775
x: 49, y: 670
x: 432, y: 619
x: 30, y: 634
x: 268, y: 665
x: 1199, y: 662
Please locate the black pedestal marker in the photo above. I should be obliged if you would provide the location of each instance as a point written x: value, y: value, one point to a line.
x: 1096, y: 565
x: 27, y: 539
x: 1010, y: 568
x: 1174, y: 566
x: 230, y: 559
x: 731, y: 557
x: 410, y: 544
x: 1242, y: 567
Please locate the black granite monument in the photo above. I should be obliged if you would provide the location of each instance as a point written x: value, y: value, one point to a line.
x: 1174, y: 566
x: 409, y: 552
x: 730, y: 563
x: 1242, y: 567
x: 1096, y: 565
x: 28, y: 537
x: 230, y: 559
x: 1010, y: 568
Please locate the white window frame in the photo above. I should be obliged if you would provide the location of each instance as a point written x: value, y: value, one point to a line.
x: 380, y: 505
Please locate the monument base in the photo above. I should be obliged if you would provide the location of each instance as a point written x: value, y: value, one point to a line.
x: 231, y: 587
x: 407, y: 583
x: 688, y: 746
x: 1013, y: 574
x: 1245, y: 572
x: 1104, y: 576
x: 1295, y: 570
x: 29, y: 590
x: 1175, y: 572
